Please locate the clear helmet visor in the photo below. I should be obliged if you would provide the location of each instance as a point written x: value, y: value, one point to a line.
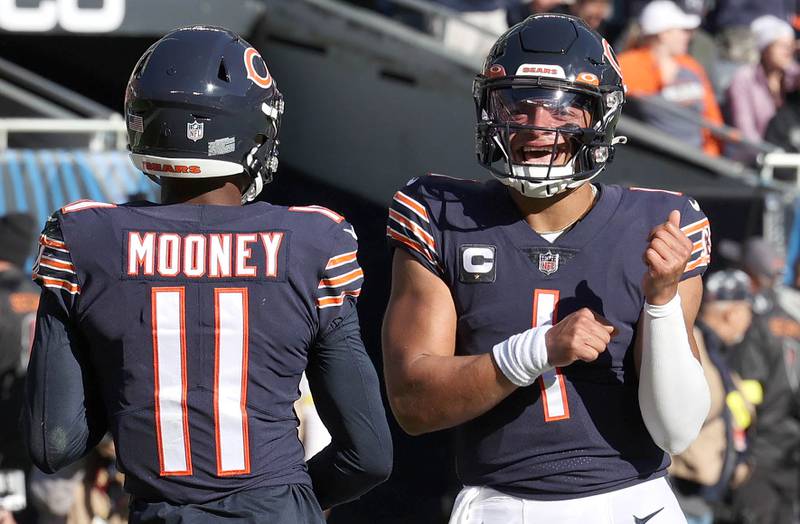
x: 543, y: 125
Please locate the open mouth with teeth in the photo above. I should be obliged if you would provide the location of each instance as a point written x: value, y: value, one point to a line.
x: 540, y: 152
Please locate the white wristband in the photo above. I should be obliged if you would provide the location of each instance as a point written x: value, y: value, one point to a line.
x: 523, y: 357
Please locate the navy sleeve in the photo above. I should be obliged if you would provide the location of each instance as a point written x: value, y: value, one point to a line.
x: 62, y: 417
x: 342, y: 277
x: 53, y: 269
x: 410, y: 227
x: 697, y: 227
x: 345, y: 388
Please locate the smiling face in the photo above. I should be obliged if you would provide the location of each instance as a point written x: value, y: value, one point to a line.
x: 550, y: 117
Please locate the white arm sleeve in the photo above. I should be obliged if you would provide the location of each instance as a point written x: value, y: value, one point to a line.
x: 673, y: 393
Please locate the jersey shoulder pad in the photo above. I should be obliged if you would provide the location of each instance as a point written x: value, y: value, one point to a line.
x: 657, y: 203
x: 82, y: 205
x: 318, y: 210
x: 435, y: 187
x: 656, y: 206
x: 53, y: 267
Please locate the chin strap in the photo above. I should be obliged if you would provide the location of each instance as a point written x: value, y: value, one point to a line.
x: 262, y: 162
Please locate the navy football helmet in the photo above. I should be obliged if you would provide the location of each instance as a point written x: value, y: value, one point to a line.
x: 547, y: 102
x: 201, y: 103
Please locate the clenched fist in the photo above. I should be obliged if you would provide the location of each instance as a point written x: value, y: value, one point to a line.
x: 581, y: 335
x: 666, y: 257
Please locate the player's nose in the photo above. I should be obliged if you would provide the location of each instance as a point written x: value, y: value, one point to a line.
x: 542, y: 117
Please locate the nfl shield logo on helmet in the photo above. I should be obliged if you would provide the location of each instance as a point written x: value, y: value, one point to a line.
x: 548, y: 262
x: 194, y: 131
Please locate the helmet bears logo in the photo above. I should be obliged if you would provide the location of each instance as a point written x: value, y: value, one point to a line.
x: 250, y: 55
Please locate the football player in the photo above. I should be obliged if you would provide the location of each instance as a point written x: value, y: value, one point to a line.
x: 184, y: 328
x: 546, y: 317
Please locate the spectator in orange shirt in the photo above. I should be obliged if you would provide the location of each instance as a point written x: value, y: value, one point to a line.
x: 661, y: 68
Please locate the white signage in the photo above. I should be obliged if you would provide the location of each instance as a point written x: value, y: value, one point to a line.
x: 64, y: 13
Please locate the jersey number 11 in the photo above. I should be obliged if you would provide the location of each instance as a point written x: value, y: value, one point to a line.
x: 230, y: 380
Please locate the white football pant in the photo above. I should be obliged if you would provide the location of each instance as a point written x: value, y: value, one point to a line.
x: 650, y: 502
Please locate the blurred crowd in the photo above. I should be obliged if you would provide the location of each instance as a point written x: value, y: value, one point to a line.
x: 744, y: 466
x: 719, y: 74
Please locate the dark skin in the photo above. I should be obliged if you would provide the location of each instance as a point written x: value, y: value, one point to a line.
x: 216, y: 191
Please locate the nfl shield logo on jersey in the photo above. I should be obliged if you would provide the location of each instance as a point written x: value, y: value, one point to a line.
x: 548, y: 262
x: 194, y: 131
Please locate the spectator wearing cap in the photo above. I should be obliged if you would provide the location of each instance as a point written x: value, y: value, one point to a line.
x: 769, y: 360
x: 758, y: 90
x: 661, y: 69
x: 714, y: 462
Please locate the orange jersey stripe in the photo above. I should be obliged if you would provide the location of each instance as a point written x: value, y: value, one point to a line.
x: 651, y: 190
x: 80, y: 205
x: 341, y: 260
x: 57, y: 264
x: 411, y: 243
x: 45, y: 241
x: 693, y: 228
x: 418, y: 231
x: 697, y: 263
x: 338, y: 300
x: 415, y: 206
x: 333, y: 215
x: 58, y: 283
x: 342, y: 280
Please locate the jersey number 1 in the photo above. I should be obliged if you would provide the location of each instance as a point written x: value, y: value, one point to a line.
x: 554, y: 390
x: 230, y: 380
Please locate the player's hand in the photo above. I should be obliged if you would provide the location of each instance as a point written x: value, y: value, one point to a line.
x: 666, y: 257
x: 581, y: 335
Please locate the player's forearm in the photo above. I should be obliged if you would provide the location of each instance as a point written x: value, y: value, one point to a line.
x: 346, y: 390
x: 433, y: 392
x: 60, y: 420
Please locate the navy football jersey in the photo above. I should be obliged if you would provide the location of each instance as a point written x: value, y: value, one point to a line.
x: 578, y: 430
x: 198, y: 322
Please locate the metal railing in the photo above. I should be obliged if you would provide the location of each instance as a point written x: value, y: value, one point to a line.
x: 790, y: 162
x: 99, y: 130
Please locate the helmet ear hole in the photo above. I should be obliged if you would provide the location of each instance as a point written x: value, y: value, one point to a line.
x: 222, y: 72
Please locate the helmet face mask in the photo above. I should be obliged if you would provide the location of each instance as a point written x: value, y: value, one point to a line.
x: 549, y: 126
x: 201, y: 103
x: 543, y: 126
